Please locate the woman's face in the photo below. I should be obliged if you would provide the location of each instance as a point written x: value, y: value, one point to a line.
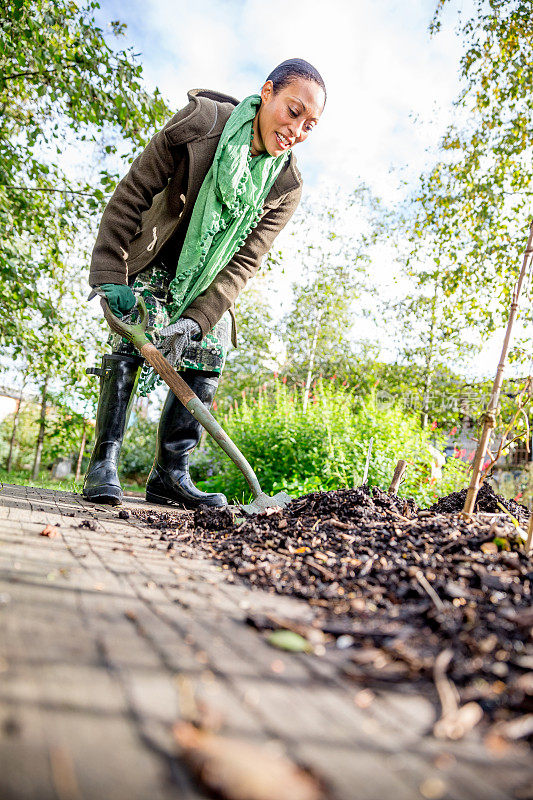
x: 288, y: 117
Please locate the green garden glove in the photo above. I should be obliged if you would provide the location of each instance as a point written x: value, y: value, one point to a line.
x: 120, y: 298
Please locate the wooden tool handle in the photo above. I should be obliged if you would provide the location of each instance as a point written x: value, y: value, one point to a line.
x: 401, y: 466
x: 195, y: 406
x: 169, y: 375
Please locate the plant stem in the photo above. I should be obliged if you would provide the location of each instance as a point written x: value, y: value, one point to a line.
x: 490, y: 413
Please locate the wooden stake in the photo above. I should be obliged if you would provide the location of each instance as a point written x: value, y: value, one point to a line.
x: 490, y: 414
x: 401, y: 466
x: 367, y: 465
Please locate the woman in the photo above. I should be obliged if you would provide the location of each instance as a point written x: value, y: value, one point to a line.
x: 186, y: 228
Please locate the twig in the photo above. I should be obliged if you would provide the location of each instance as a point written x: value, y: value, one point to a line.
x: 345, y: 526
x: 425, y: 584
x: 504, y: 443
x: 456, y: 720
x: 327, y: 573
x: 46, y: 189
x: 367, y: 566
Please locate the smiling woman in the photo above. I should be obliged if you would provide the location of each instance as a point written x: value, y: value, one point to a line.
x: 186, y: 228
x: 291, y: 106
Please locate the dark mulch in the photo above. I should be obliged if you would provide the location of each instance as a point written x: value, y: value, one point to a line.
x: 391, y: 587
x: 487, y: 500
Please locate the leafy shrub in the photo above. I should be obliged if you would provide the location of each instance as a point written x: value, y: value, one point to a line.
x: 324, y: 448
x: 138, y: 449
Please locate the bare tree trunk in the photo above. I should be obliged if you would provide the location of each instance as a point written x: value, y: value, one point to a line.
x: 309, y: 377
x: 428, y: 369
x: 42, y: 425
x: 82, y: 450
x: 9, y: 462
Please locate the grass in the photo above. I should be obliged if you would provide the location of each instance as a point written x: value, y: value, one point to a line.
x: 45, y: 481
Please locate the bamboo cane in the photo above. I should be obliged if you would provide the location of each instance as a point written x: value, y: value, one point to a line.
x: 489, y: 417
x: 367, y: 464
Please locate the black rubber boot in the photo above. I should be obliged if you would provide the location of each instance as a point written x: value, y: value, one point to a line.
x: 118, y: 379
x: 177, y: 436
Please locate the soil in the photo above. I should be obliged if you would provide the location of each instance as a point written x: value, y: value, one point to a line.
x: 390, y: 588
x: 486, y: 501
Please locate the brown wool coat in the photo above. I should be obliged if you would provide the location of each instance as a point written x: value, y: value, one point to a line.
x: 152, y: 205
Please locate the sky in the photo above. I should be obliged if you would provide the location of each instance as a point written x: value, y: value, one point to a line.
x: 390, y: 84
x: 391, y: 88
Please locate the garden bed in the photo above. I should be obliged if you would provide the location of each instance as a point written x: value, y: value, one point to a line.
x: 399, y: 596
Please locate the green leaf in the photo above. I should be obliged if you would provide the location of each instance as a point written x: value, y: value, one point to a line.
x: 289, y: 640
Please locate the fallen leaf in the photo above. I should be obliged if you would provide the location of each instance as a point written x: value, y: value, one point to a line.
x: 289, y: 640
x: 49, y: 531
x: 237, y: 770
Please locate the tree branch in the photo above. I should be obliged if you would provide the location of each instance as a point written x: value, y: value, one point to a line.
x: 45, y: 189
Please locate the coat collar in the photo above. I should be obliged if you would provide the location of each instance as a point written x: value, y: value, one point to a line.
x: 210, y: 113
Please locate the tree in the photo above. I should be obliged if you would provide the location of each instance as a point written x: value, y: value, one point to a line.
x: 431, y: 328
x: 60, y: 83
x: 332, y: 258
x: 248, y: 366
x: 473, y: 207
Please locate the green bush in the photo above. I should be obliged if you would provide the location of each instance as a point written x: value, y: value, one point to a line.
x: 325, y: 448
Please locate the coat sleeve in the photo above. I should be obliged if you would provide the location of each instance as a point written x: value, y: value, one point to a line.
x: 147, y: 176
x: 212, y: 304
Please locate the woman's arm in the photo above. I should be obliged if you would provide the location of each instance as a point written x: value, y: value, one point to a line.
x: 210, y: 306
x: 147, y: 176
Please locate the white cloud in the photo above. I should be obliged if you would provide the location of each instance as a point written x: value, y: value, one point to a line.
x: 390, y: 86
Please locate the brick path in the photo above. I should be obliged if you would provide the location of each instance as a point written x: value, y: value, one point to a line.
x: 107, y: 639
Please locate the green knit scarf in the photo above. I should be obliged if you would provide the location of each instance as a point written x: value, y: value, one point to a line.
x: 228, y: 206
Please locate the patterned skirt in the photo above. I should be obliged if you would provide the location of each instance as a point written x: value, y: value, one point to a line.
x: 208, y: 355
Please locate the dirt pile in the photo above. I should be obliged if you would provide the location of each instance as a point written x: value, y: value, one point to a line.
x: 392, y: 588
x: 487, y: 501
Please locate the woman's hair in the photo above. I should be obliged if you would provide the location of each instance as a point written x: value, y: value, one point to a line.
x: 292, y: 68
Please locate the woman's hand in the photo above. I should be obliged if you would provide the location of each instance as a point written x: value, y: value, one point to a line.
x: 175, y: 339
x: 120, y: 297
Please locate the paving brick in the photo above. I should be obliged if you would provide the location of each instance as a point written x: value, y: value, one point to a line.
x: 107, y: 639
